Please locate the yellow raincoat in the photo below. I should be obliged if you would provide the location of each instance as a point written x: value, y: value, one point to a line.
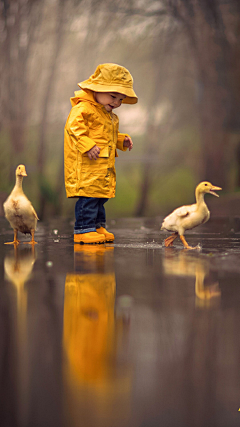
x: 89, y: 124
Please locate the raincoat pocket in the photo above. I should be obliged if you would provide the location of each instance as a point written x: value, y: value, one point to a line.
x: 92, y: 169
x: 103, y: 153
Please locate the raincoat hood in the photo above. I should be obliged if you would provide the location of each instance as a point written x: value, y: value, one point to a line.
x: 111, y: 78
x: 83, y: 95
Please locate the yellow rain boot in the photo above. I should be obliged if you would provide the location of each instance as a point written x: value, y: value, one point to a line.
x: 91, y: 237
x: 109, y: 237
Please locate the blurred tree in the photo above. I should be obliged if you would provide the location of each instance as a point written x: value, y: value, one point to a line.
x: 215, y: 42
x: 212, y: 29
x: 160, y: 123
x: 18, y: 23
x: 57, y: 40
x: 166, y: 93
x: 93, y: 18
x: 184, y: 54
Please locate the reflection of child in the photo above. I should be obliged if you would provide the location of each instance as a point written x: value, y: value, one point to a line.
x: 90, y: 140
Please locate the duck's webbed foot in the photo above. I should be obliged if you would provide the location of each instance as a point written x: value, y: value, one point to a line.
x: 32, y: 242
x: 185, y: 243
x: 169, y: 240
x: 15, y: 241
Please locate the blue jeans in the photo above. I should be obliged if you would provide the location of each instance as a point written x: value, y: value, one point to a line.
x: 89, y: 214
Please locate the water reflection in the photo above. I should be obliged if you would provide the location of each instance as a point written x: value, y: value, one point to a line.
x: 18, y: 265
x: 185, y: 264
x: 95, y: 374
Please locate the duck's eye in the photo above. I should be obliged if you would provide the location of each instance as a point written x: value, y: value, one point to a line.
x: 205, y: 185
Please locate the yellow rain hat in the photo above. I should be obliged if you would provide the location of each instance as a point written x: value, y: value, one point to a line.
x: 111, y: 78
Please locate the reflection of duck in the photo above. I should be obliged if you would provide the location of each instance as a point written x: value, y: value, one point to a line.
x: 18, y: 267
x: 89, y: 338
x: 188, y: 217
x: 180, y: 264
x: 19, y: 210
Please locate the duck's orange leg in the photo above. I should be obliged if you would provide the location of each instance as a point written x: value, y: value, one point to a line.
x: 15, y: 240
x: 169, y: 240
x: 185, y: 243
x: 32, y: 242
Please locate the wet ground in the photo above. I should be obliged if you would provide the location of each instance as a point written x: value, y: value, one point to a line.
x: 119, y: 335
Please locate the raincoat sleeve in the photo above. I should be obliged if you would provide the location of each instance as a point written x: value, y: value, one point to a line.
x: 120, y: 140
x: 78, y: 130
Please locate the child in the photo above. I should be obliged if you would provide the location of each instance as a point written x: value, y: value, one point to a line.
x: 90, y: 140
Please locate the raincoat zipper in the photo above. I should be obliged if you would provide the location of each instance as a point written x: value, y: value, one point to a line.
x: 111, y: 175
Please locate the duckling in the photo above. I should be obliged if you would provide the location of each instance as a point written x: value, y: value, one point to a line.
x: 19, y: 210
x: 188, y: 217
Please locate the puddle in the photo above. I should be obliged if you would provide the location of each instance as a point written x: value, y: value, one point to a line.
x: 124, y: 334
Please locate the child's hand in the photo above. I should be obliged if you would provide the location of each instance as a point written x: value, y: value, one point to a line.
x: 128, y: 142
x: 93, y: 153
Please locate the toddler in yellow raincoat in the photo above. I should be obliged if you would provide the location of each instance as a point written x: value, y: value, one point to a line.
x: 91, y: 138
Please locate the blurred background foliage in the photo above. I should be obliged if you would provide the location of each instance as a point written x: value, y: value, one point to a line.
x: 184, y: 56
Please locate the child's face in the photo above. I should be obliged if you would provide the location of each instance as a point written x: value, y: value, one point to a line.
x: 109, y: 100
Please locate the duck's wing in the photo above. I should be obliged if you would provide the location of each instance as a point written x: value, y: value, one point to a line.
x: 34, y: 212
x: 185, y: 210
x: 172, y: 221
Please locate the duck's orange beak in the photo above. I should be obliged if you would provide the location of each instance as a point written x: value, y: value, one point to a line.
x: 214, y: 188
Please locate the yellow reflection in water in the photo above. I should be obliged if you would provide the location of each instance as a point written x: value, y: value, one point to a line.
x: 18, y: 265
x: 99, y: 389
x: 185, y: 264
x: 88, y: 322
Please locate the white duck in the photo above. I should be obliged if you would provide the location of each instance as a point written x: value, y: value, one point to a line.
x: 19, y: 210
x: 188, y: 217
